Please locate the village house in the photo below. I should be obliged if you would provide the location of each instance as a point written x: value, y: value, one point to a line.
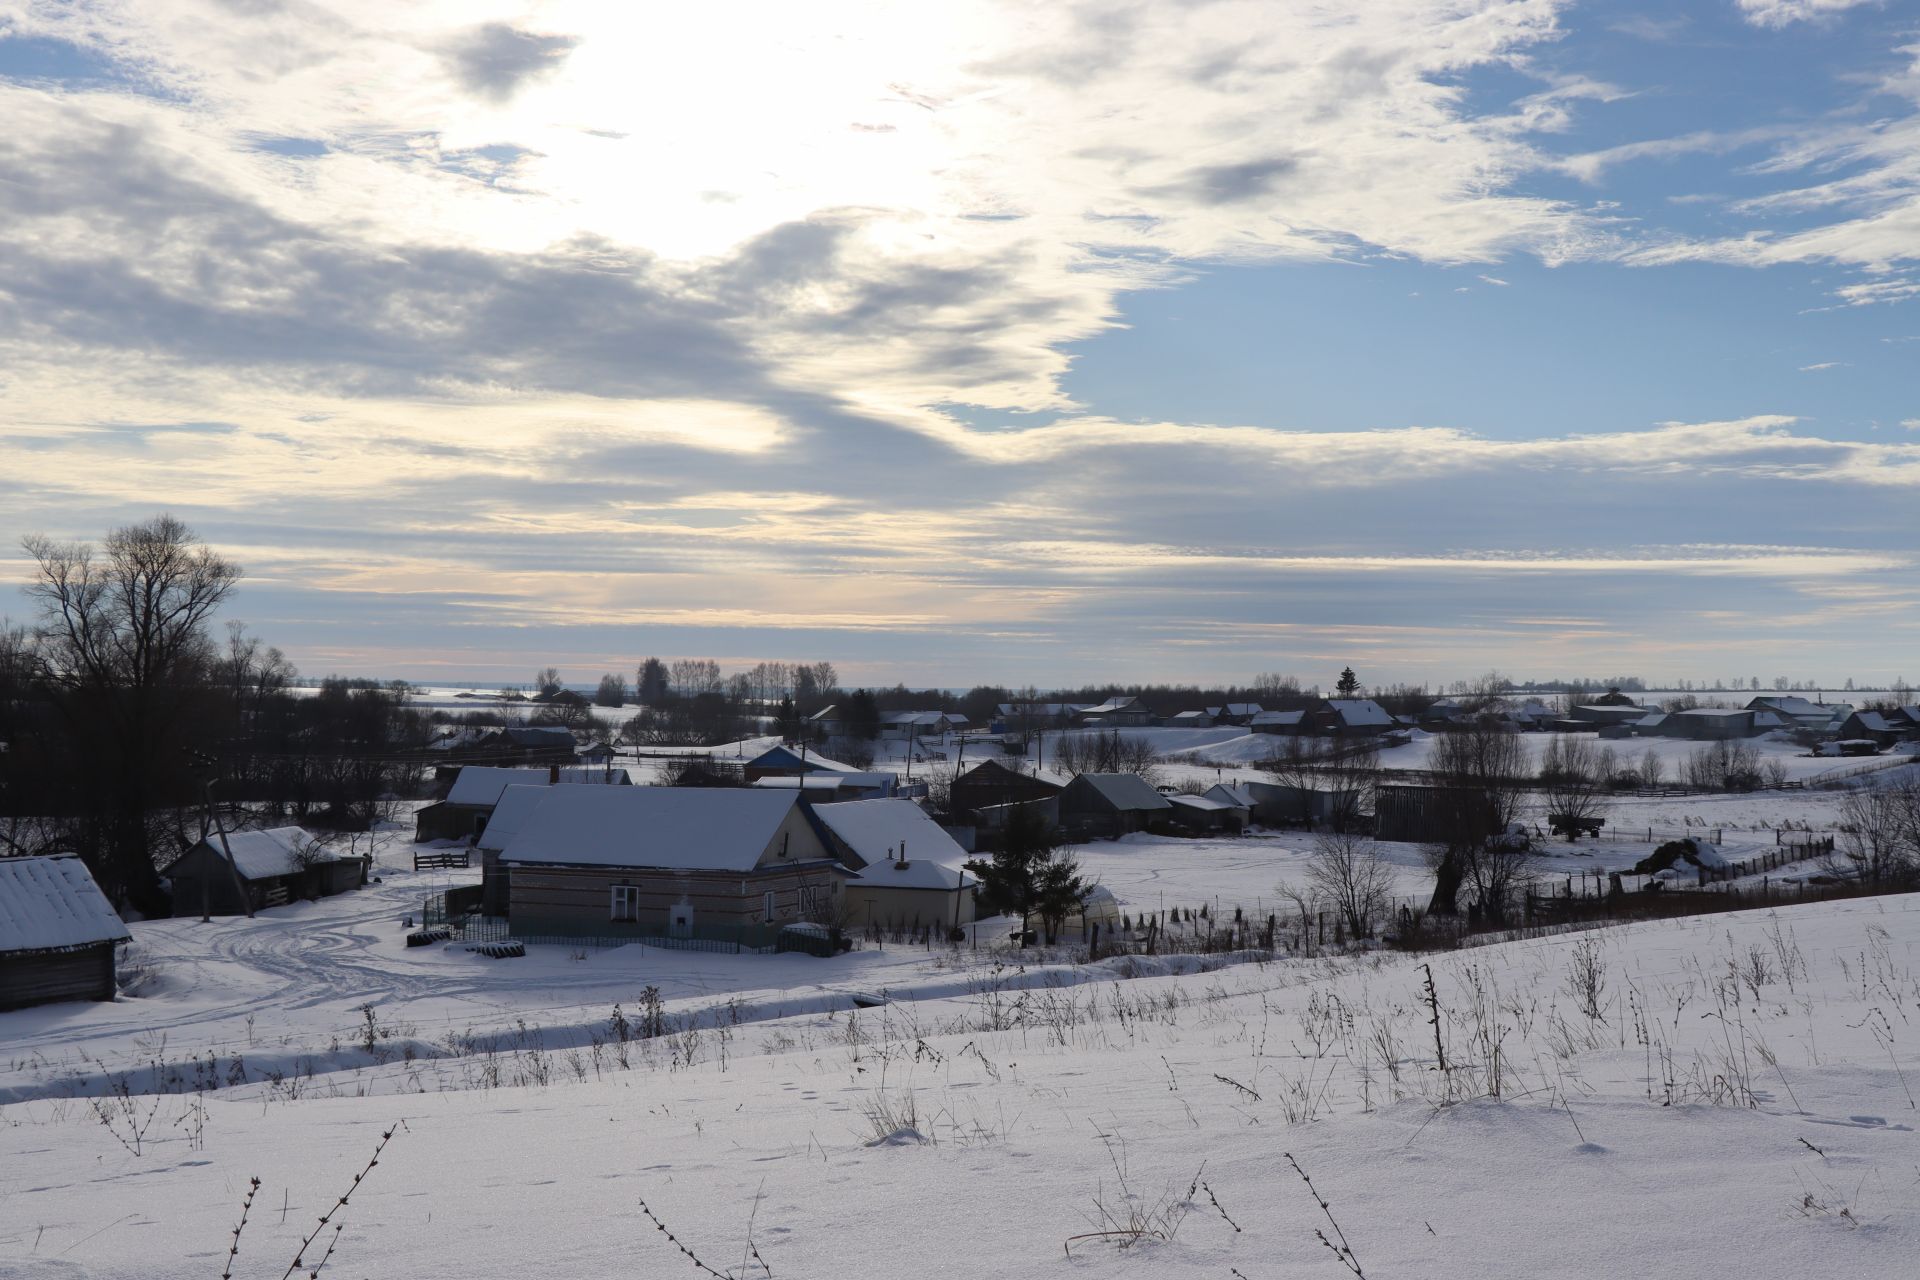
x: 726, y: 865
x: 57, y: 933
x: 1350, y: 718
x: 1190, y: 720
x: 991, y: 783
x: 908, y: 872
x: 272, y: 868
x: 469, y: 802
x: 1111, y: 804
x: 1209, y: 814
x: 1238, y: 712
x: 528, y: 744
x: 1871, y: 726
x: 1803, y: 713
x: 1284, y: 722
x: 1117, y: 712
x: 1708, y: 724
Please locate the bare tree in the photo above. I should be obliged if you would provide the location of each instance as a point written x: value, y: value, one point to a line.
x: 1480, y: 778
x: 1652, y: 768
x: 1346, y: 870
x: 124, y: 637
x: 1573, y: 781
x: 1880, y: 843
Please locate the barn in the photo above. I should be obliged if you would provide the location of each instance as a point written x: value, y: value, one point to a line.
x: 57, y: 933
x: 269, y: 869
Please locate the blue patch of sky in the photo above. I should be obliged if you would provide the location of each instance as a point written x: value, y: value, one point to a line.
x: 1580, y: 348
x: 39, y: 58
x: 297, y: 147
x: 1584, y: 347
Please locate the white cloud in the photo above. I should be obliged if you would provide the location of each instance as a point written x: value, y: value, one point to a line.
x: 1824, y: 364
x: 1782, y: 13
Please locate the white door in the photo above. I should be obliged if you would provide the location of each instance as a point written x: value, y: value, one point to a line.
x: 680, y: 920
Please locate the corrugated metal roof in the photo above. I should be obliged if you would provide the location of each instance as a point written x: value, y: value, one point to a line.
x: 690, y: 828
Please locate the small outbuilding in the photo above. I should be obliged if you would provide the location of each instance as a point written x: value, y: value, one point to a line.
x: 57, y: 933
x: 909, y: 872
x: 1111, y: 804
x: 269, y: 869
x: 1208, y: 814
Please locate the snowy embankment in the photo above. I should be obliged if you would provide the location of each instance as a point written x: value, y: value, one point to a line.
x: 1730, y: 1096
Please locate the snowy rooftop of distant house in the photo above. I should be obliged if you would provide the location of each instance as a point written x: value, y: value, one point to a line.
x: 1209, y: 804
x: 1113, y: 704
x: 787, y: 758
x: 1716, y: 712
x: 1874, y: 722
x: 1190, y: 715
x: 277, y: 851
x: 482, y: 784
x: 877, y: 830
x: 1360, y: 711
x: 1278, y: 717
x: 1233, y: 793
x: 1125, y: 790
x: 811, y: 782
x: 49, y: 904
x: 690, y: 828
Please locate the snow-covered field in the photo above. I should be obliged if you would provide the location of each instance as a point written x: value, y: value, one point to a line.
x: 1725, y: 1096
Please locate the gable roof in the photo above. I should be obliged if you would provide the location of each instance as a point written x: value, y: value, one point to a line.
x: 785, y: 757
x: 1359, y: 711
x: 1206, y: 803
x: 480, y: 784
x: 1113, y: 704
x: 1236, y: 794
x: 1277, y: 717
x: 991, y: 773
x: 1125, y: 790
x: 1244, y: 708
x: 51, y: 904
x: 683, y: 828
x: 876, y: 830
x: 262, y: 855
x: 512, y: 808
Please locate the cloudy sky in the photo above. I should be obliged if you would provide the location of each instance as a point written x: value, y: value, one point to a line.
x: 984, y: 341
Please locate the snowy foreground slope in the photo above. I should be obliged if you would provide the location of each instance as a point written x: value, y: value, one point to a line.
x: 1728, y: 1096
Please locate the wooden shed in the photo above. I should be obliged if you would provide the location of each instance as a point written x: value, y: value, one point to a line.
x: 57, y: 933
x: 272, y: 868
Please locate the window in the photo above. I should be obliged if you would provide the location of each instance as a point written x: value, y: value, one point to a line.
x: 767, y: 910
x: 626, y: 902
x: 809, y: 901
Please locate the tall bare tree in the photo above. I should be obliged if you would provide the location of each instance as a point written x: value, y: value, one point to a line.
x: 123, y: 636
x: 1573, y: 781
x: 1480, y: 776
x: 1346, y: 870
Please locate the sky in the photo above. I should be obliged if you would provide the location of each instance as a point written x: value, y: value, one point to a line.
x: 984, y: 342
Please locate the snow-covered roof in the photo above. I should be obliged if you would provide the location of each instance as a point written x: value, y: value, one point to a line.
x: 691, y: 828
x: 482, y: 784
x: 515, y: 803
x: 1191, y: 715
x: 48, y: 904
x: 1206, y: 803
x: 1111, y: 705
x: 876, y: 831
x: 787, y: 758
x: 809, y: 782
x: 1243, y: 708
x: 1278, y: 717
x: 1359, y: 711
x: 1714, y: 713
x: 1873, y: 722
x: 1125, y: 790
x: 277, y: 851
x: 1236, y: 794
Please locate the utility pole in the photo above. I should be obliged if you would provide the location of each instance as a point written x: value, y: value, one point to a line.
x: 233, y: 868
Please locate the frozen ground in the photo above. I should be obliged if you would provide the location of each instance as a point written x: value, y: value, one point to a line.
x: 1722, y: 1097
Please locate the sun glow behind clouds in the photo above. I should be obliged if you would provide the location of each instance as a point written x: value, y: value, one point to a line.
x: 655, y: 318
